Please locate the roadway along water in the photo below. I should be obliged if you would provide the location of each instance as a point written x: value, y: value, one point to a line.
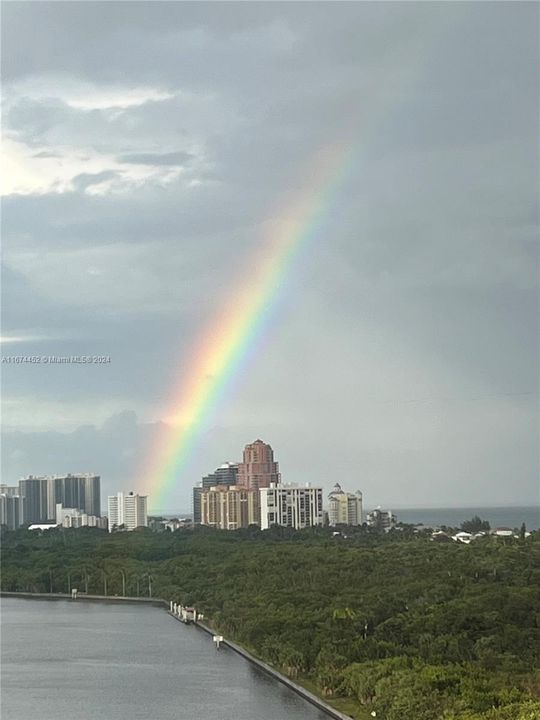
x: 63, y: 660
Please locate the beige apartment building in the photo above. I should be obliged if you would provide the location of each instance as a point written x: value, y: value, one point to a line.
x: 344, y: 508
x: 229, y: 507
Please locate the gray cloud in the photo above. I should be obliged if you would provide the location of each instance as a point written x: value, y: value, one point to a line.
x: 169, y: 158
x: 403, y: 355
x: 47, y: 154
x: 87, y: 180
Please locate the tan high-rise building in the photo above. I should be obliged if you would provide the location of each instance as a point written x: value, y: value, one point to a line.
x: 258, y: 468
x: 229, y: 508
x: 344, y: 508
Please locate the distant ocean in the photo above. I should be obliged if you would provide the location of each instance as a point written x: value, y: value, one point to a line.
x: 511, y: 517
x: 508, y: 516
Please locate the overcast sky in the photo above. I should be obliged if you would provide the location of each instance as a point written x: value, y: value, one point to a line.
x: 147, y: 144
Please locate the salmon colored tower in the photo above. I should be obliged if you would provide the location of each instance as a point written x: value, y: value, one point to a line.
x: 258, y: 468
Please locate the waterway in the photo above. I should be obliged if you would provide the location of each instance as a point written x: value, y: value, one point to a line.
x: 64, y: 660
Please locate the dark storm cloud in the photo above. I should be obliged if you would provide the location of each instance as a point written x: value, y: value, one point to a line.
x: 196, y: 123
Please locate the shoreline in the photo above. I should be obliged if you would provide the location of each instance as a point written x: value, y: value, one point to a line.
x: 126, y: 600
x: 298, y: 689
x: 310, y: 697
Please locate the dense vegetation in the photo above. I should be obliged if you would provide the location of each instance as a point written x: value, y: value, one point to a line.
x: 395, y: 623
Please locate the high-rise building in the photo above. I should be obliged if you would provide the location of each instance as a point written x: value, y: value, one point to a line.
x: 291, y: 506
x: 226, y: 475
x: 9, y: 489
x: 43, y: 493
x: 344, y: 508
x: 229, y: 508
x: 258, y: 469
x: 82, y: 492
x: 127, y: 511
x: 381, y: 519
x: 11, y: 510
x: 92, y: 503
x: 115, y: 510
x: 37, y: 506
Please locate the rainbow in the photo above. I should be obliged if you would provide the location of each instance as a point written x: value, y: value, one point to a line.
x: 223, y: 349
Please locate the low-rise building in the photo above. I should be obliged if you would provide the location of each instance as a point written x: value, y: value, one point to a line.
x: 74, y: 518
x: 503, y: 532
x: 440, y: 536
x: 42, y: 526
x: 174, y: 524
x: 463, y: 537
x: 291, y: 506
x: 161, y: 524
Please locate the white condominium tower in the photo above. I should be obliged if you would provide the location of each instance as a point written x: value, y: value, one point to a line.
x: 291, y: 506
x: 128, y: 511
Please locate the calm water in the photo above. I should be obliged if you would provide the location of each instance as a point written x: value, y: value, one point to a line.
x: 65, y: 660
x: 497, y: 516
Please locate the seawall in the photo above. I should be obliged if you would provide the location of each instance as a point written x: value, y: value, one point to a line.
x: 158, y: 602
x: 298, y: 689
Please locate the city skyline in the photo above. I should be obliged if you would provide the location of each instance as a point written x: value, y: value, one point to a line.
x: 270, y: 359
x: 400, y: 350
x: 48, y: 498
x: 227, y: 473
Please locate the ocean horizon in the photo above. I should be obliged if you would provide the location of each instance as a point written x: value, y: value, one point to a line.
x: 497, y: 516
x: 507, y: 516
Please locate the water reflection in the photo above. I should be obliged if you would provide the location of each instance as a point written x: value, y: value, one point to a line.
x: 63, y: 660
